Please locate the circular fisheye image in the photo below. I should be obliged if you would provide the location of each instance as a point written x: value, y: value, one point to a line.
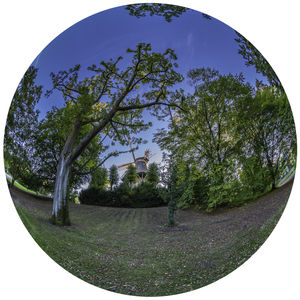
x: 150, y: 149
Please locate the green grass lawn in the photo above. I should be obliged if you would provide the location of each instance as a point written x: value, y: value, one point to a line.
x: 132, y: 251
x: 21, y: 187
x: 290, y: 174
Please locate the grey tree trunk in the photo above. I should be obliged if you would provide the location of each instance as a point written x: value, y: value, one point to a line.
x: 60, y: 211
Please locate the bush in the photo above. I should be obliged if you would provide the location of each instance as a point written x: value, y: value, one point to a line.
x: 95, y: 196
x: 121, y: 196
x: 143, y: 195
x: 194, y: 193
x: 223, y: 195
x: 147, y: 195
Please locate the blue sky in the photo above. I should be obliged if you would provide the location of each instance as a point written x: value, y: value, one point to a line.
x: 197, y: 42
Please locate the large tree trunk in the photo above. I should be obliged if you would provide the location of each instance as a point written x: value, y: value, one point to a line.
x: 60, y: 210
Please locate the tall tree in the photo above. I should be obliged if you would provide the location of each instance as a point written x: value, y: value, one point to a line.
x: 101, y: 99
x: 113, y: 176
x: 99, y: 178
x: 172, y: 187
x: 254, y: 58
x: 152, y: 175
x: 267, y: 128
x: 131, y: 175
x: 21, y: 121
x: 203, y: 131
x: 237, y: 139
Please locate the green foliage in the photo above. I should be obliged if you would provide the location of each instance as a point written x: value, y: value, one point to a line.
x: 113, y: 176
x: 122, y: 196
x: 99, y: 178
x: 172, y: 207
x: 19, y: 132
x: 94, y: 196
x: 223, y: 195
x: 194, y: 192
x: 165, y: 10
x: 49, y: 139
x: 131, y: 175
x: 254, y: 177
x: 106, y: 103
x: 147, y: 195
x: 229, y: 139
x: 172, y: 184
x: 143, y: 195
x: 201, y: 191
x: 267, y: 128
x: 254, y: 58
x: 152, y: 175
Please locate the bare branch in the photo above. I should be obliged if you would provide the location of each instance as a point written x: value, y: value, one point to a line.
x: 125, y: 124
x: 115, y: 153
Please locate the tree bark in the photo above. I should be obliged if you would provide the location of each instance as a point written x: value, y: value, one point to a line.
x: 60, y: 211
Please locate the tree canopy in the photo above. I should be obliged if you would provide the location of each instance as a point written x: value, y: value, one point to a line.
x: 22, y: 119
x: 158, y: 9
x: 225, y: 140
x: 103, y: 103
x: 152, y: 174
x: 113, y: 176
x: 233, y: 140
x: 254, y: 58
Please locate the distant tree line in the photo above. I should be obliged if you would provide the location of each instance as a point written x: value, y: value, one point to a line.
x: 106, y: 190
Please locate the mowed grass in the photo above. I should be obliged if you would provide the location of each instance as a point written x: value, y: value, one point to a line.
x: 21, y: 187
x: 132, y: 251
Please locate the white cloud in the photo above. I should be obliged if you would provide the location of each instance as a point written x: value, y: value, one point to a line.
x: 189, y: 39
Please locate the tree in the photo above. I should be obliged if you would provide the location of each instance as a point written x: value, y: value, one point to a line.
x: 21, y: 120
x: 99, y: 178
x: 237, y: 139
x: 99, y: 101
x: 158, y: 9
x: 269, y: 134
x: 131, y: 175
x: 254, y: 58
x: 203, y: 131
x: 172, y: 190
x: 152, y: 175
x: 113, y: 176
x: 49, y: 139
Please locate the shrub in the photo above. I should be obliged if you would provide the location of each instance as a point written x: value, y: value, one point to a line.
x: 95, y: 196
x: 194, y: 193
x: 147, y: 195
x: 121, y: 196
x: 223, y: 195
x: 143, y: 195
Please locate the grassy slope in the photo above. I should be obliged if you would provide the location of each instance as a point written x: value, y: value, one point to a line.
x: 21, y: 187
x: 131, y: 251
x: 287, y: 177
